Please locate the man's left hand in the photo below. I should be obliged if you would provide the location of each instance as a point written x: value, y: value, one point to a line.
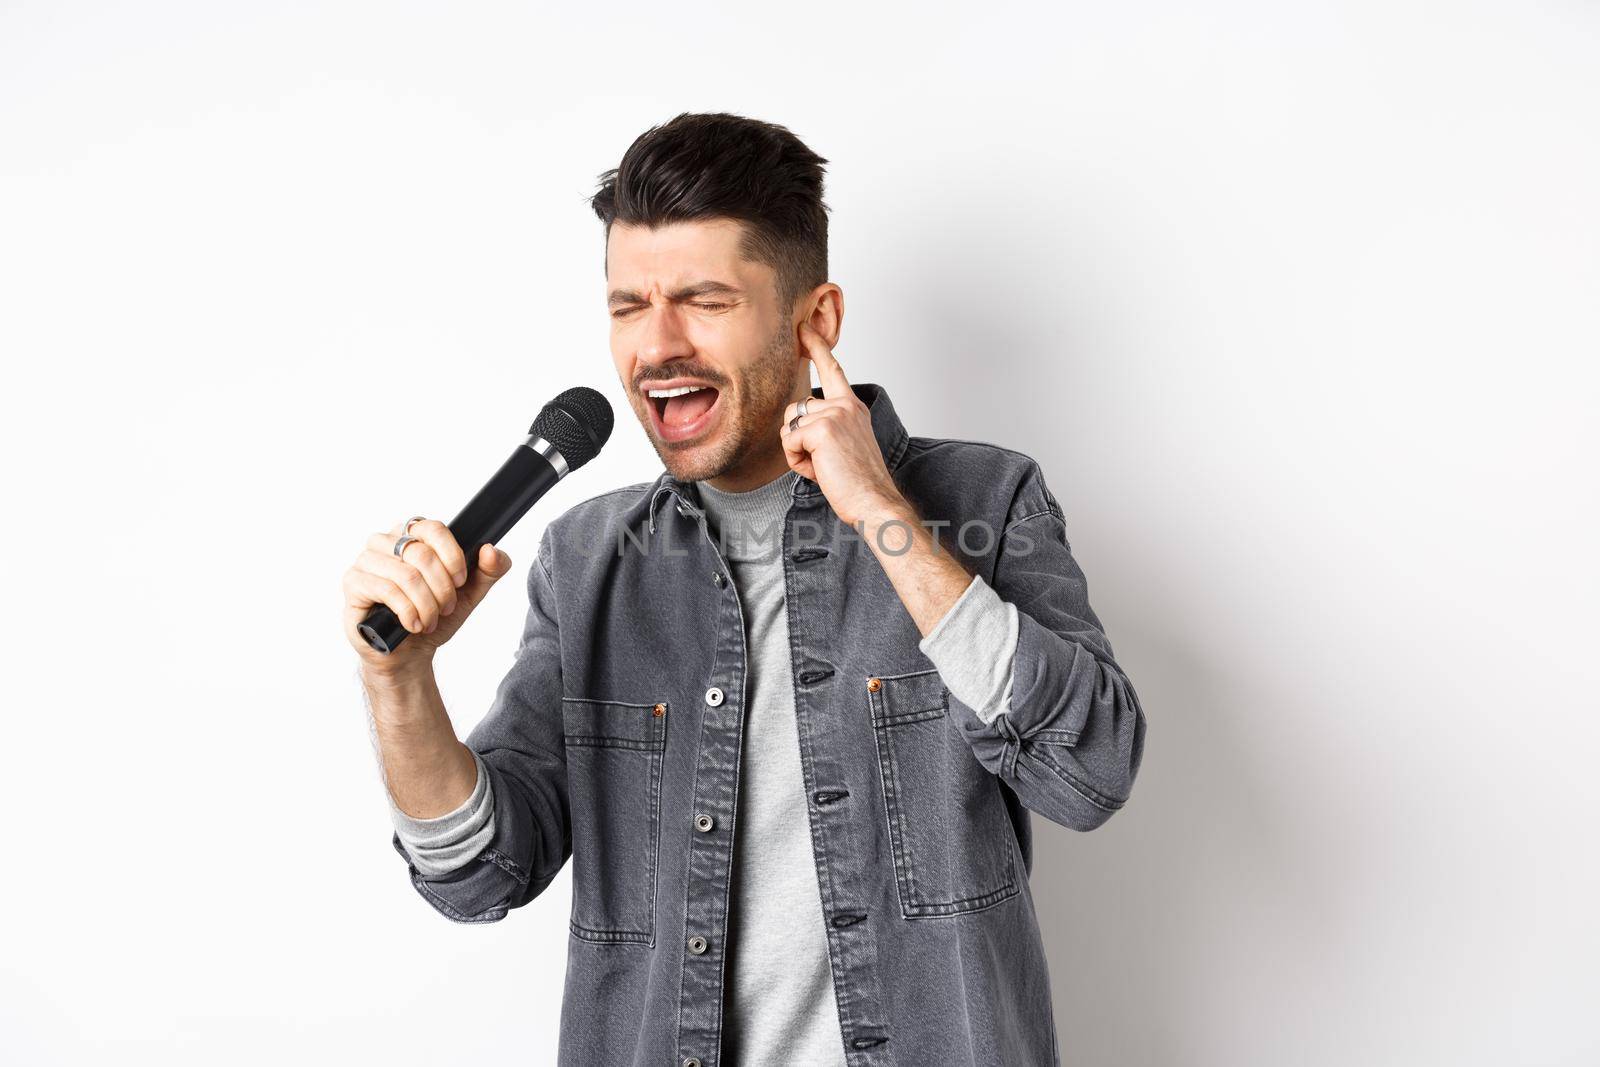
x: 833, y: 444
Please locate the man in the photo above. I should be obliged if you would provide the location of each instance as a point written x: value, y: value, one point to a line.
x: 791, y: 728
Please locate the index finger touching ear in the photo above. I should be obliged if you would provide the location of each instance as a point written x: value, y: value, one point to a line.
x: 829, y: 374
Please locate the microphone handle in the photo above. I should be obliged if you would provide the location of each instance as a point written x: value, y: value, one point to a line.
x: 522, y: 479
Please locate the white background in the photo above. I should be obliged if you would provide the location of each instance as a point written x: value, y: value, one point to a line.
x: 1297, y: 308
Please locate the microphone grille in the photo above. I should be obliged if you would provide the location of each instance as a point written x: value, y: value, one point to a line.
x: 578, y: 423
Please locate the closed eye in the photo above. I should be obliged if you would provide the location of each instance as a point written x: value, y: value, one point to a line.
x: 707, y: 305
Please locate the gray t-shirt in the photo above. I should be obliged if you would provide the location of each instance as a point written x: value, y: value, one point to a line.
x: 780, y: 1006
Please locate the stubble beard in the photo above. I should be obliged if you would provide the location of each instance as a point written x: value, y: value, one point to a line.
x: 763, y: 393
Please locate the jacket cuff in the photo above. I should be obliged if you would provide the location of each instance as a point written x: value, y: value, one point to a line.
x: 974, y: 648
x: 448, y: 842
x: 486, y: 887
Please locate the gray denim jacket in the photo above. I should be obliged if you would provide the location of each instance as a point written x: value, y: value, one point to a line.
x: 615, y: 740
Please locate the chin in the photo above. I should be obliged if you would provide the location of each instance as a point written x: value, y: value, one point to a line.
x: 690, y: 468
x: 685, y: 462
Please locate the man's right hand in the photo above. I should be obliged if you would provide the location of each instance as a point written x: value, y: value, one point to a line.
x: 428, y: 589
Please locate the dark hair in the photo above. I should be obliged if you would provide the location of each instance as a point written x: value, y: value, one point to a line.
x: 704, y: 166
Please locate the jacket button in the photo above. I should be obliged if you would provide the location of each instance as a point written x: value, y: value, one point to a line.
x: 659, y: 710
x: 702, y: 823
x: 697, y: 945
x: 873, y: 685
x: 714, y: 696
x: 716, y: 579
x: 691, y: 1062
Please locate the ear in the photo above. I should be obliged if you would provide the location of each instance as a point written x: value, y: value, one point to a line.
x: 823, y: 308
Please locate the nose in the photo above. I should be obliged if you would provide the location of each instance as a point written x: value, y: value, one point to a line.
x: 663, y: 338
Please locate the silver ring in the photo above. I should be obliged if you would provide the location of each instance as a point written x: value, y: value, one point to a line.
x: 412, y: 519
x: 793, y: 422
x: 400, y: 545
x: 800, y: 408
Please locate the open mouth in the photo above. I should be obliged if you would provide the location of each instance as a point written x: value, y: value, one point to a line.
x: 684, y: 412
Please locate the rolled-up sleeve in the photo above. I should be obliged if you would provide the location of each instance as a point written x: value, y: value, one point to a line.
x: 973, y: 646
x: 1072, y: 736
x: 450, y: 841
x: 521, y: 753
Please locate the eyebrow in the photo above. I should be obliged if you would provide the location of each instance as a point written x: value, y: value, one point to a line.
x: 688, y: 292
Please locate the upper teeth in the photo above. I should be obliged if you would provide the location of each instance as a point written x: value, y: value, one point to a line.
x: 676, y: 392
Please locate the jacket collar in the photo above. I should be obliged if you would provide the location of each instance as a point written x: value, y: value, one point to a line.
x: 886, y: 427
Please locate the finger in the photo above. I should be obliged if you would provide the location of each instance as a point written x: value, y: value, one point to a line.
x: 363, y: 589
x: 420, y: 554
x: 788, y: 426
x: 441, y: 539
x: 793, y: 452
x: 493, y: 565
x: 829, y: 374
x: 799, y: 461
x: 814, y: 406
x: 492, y: 561
x: 816, y: 415
x: 408, y: 578
x: 800, y: 442
x: 443, y: 542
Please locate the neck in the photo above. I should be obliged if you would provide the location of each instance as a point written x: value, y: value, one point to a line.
x: 749, y: 523
x: 750, y: 475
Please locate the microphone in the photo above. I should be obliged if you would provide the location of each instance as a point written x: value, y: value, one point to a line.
x: 569, y: 432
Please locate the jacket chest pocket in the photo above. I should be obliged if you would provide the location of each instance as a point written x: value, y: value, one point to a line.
x: 954, y: 847
x: 614, y: 755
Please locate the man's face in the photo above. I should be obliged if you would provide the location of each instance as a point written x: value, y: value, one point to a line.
x: 688, y: 310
